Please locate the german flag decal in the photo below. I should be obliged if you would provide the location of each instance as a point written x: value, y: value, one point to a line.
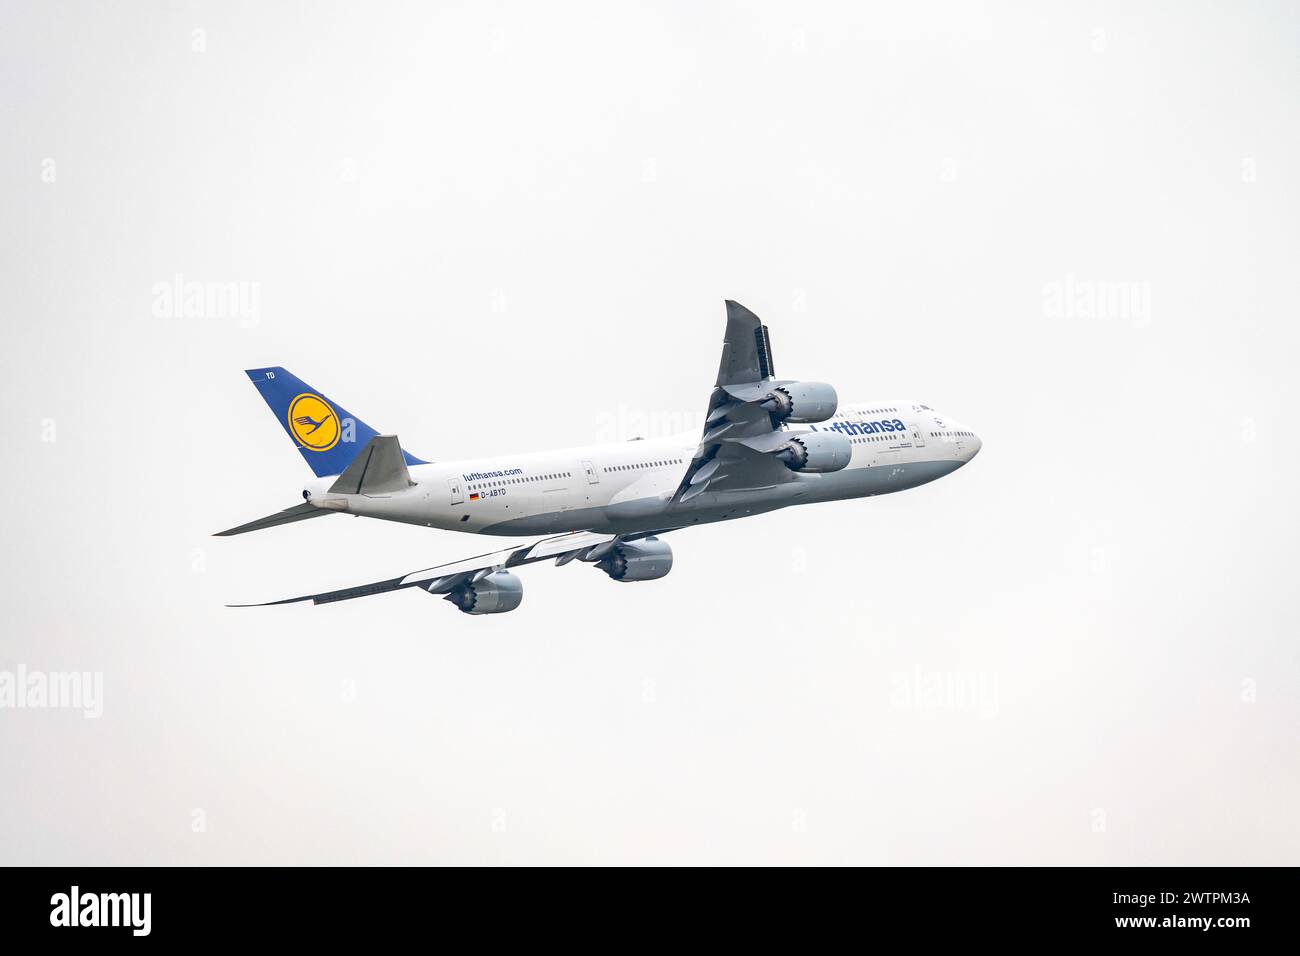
x: 473, y: 497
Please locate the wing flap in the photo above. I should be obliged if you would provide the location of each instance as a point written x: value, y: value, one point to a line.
x: 552, y: 547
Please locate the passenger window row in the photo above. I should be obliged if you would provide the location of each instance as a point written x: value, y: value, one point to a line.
x: 659, y: 463
x: 502, y: 482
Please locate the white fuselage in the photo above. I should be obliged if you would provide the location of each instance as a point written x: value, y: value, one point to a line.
x: 627, y: 487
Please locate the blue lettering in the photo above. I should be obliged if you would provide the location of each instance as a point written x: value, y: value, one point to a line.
x: 481, y: 475
x: 866, y: 428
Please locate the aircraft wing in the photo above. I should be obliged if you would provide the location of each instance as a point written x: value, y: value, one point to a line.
x: 742, y: 436
x: 444, y: 578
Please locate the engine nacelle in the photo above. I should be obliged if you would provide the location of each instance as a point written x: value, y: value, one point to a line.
x: 637, y: 560
x: 497, y: 593
x: 802, y: 402
x: 816, y: 452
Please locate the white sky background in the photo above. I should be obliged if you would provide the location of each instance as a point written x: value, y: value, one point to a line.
x: 508, y: 227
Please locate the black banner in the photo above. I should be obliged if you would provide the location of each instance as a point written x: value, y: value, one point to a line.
x: 1148, y: 905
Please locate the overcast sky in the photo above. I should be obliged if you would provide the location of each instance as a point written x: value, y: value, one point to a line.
x: 509, y: 227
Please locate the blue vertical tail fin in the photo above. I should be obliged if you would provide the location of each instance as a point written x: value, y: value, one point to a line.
x: 326, y: 433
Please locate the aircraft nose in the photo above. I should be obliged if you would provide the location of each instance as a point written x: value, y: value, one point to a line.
x: 968, y: 444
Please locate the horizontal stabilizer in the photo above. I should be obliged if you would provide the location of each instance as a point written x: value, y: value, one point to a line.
x: 297, y: 513
x: 380, y: 469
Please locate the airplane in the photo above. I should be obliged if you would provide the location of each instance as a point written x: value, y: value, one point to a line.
x: 767, y: 443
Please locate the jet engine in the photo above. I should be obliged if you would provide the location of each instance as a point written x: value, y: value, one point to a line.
x: 801, y: 402
x: 815, y: 452
x: 497, y: 593
x: 637, y: 560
